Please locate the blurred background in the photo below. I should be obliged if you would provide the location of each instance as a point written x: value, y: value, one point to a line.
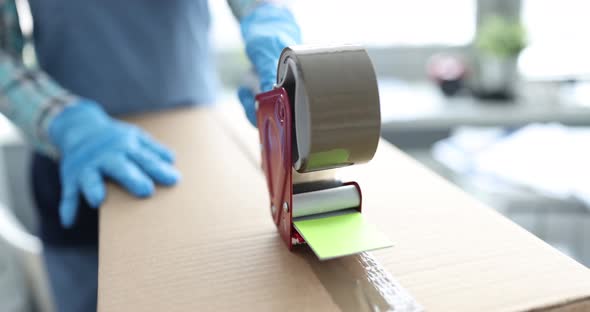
x: 493, y: 95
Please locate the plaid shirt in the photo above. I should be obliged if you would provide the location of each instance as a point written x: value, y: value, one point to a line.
x: 29, y: 97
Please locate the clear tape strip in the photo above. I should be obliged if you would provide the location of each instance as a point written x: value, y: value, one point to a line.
x: 367, y: 286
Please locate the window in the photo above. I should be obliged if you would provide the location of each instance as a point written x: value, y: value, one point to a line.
x: 558, y: 38
x: 368, y: 22
x: 384, y: 23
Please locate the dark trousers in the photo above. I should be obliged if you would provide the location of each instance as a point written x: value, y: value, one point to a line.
x: 47, y: 193
x: 70, y: 255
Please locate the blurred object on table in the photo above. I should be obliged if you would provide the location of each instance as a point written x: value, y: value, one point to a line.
x: 498, y: 43
x: 448, y: 72
x: 550, y: 159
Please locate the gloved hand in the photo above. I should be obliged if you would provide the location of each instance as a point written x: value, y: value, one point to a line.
x: 94, y: 146
x: 266, y: 31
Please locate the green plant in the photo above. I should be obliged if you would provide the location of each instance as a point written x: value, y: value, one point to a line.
x: 500, y: 37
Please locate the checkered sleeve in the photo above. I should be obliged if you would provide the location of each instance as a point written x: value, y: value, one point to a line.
x: 241, y: 8
x: 28, y: 97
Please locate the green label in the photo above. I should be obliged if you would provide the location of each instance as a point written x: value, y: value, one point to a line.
x: 341, y: 235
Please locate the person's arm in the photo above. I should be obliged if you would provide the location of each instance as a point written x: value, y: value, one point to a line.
x: 89, y: 144
x: 28, y: 97
x: 267, y: 28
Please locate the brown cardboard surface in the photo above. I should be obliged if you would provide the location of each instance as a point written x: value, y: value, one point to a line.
x: 210, y: 244
x: 453, y: 253
x: 206, y: 244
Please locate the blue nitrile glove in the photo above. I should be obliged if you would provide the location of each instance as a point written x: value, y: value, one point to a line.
x: 94, y: 146
x: 266, y: 31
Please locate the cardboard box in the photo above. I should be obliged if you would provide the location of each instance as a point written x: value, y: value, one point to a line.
x: 210, y: 244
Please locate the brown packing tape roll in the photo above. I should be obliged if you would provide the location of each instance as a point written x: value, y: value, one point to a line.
x: 336, y: 105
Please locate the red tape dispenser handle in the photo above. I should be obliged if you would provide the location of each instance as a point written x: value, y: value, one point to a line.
x: 274, y: 118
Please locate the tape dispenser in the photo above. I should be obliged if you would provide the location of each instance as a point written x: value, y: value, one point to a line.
x: 322, y: 114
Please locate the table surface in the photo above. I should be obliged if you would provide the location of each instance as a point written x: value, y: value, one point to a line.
x: 421, y: 106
